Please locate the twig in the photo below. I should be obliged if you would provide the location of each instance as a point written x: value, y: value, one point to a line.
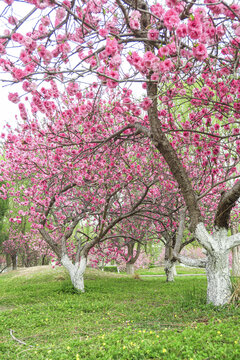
x: 20, y: 341
x: 3, y: 269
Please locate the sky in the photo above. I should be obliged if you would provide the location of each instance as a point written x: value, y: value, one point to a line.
x: 8, y: 110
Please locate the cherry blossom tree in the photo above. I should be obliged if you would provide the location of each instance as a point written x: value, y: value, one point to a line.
x: 186, y: 56
x: 3, y: 210
x: 74, y: 182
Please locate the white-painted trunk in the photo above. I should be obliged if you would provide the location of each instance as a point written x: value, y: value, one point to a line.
x: 170, y: 270
x: 236, y: 261
x: 76, y: 271
x: 219, y: 285
x: 130, y: 269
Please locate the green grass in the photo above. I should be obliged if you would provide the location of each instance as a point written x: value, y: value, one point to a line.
x: 180, y: 271
x: 118, y: 318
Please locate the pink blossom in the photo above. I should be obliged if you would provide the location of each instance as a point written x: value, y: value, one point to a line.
x: 153, y: 34
x: 220, y: 30
x: 171, y: 19
x: 200, y: 52
x: 200, y: 13
x: 9, y: 2
x: 136, y: 15
x: 18, y: 38
x: 45, y: 21
x: 103, y: 32
x: 41, y: 50
x: 111, y: 47
x: 237, y: 29
x: 23, y: 112
x: 194, y: 28
x: 18, y: 74
x: 155, y: 77
x: 2, y: 49
x: 67, y: 3
x: 12, y: 20
x: 168, y: 64
x: 147, y: 58
x: 60, y: 13
x: 146, y: 103
x: 13, y: 97
x: 116, y: 61
x: 163, y: 51
x: 181, y: 31
x: 134, y: 24
x: 157, y: 10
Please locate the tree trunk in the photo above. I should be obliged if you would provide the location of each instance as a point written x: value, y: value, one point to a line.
x: 236, y: 261
x: 8, y: 260
x: 130, y: 269
x: 14, y: 262
x: 170, y: 270
x: 219, y: 285
x: 76, y: 271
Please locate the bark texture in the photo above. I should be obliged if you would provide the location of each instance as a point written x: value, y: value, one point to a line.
x: 14, y: 261
x: 76, y: 271
x: 130, y: 269
x: 236, y: 261
x: 219, y: 286
x: 170, y: 270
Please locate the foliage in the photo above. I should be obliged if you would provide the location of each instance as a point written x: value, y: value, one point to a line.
x: 235, y: 298
x: 111, y: 268
x: 118, y: 318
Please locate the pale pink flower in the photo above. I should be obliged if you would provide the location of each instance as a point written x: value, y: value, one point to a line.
x: 200, y: 52
x: 155, y: 77
x: 18, y: 74
x: 157, y: 10
x: 194, y: 28
x: 8, y: 2
x: 60, y: 13
x: 163, y: 51
x: 12, y: 20
x: 171, y: 19
x: 181, y: 31
x: 168, y: 64
x: 103, y: 32
x: 153, y: 34
x: 116, y: 61
x: 237, y: 29
x: 146, y: 103
x: 67, y: 3
x: 13, y: 97
x: 136, y: 14
x: 111, y: 47
x: 18, y: 38
x: 134, y: 24
x: 45, y: 21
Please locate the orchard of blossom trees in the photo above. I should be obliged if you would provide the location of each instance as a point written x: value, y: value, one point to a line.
x: 128, y: 126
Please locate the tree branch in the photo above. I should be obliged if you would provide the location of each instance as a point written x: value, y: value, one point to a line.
x: 225, y: 206
x: 233, y: 240
x: 191, y: 262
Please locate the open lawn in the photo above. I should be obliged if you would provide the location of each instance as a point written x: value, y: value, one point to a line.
x: 117, y: 318
x: 180, y: 270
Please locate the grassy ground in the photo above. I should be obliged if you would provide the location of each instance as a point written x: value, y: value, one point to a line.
x: 117, y: 318
x: 180, y: 270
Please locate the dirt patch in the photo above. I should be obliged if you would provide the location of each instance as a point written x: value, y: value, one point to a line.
x: 6, y: 308
x: 31, y: 270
